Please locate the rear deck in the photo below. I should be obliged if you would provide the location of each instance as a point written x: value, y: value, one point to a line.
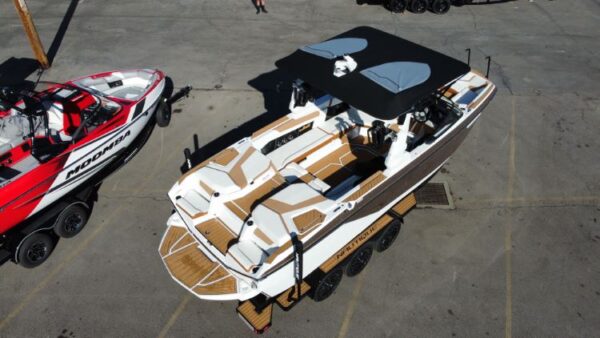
x: 191, y: 267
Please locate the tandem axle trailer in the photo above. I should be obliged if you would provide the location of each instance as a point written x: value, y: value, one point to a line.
x: 257, y: 312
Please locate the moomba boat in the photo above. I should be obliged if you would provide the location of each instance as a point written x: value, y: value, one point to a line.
x: 57, y: 143
x: 286, y: 211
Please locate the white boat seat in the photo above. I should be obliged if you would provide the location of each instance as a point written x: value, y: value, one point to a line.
x: 129, y: 93
x: 55, y: 116
x: 58, y: 123
x: 319, y: 185
x: 247, y: 254
x: 293, y: 172
x: 13, y: 130
x: 193, y: 204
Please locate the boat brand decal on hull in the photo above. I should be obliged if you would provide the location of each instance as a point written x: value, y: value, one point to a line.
x: 356, y: 242
x: 97, y: 155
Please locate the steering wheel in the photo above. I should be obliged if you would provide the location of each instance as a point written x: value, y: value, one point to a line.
x: 89, y: 114
x: 422, y: 115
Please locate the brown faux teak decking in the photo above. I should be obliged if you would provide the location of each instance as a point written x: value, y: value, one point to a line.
x: 258, y: 320
x: 192, y: 267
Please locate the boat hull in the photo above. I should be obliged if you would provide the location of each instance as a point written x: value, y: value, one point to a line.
x: 375, y: 204
x: 335, y: 235
x: 42, y: 187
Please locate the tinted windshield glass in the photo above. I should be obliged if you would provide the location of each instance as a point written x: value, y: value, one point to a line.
x: 398, y: 76
x: 337, y: 47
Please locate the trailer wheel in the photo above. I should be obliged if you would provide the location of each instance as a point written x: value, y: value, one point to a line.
x: 388, y: 236
x: 359, y: 260
x: 327, y: 285
x: 440, y: 6
x: 395, y: 6
x: 35, y: 249
x: 458, y: 3
x: 71, y: 221
x: 418, y: 6
x: 163, y: 113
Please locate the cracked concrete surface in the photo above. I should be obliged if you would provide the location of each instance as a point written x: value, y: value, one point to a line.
x: 518, y: 257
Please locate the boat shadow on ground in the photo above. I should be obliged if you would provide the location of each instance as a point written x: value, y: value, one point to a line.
x: 15, y: 71
x: 276, y: 87
x: 487, y: 2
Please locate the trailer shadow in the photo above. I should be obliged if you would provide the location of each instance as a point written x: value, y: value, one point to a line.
x: 454, y: 2
x: 276, y: 89
x: 369, y: 2
x: 488, y: 2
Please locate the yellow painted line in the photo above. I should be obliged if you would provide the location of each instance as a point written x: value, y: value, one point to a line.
x: 511, y: 155
x: 507, y: 249
x: 352, y: 305
x: 21, y: 305
x: 83, y: 245
x: 175, y: 315
x: 508, y: 230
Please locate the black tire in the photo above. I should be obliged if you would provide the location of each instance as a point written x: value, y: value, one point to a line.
x: 458, y: 3
x: 327, y: 284
x: 440, y: 6
x: 418, y: 6
x: 388, y: 236
x: 395, y: 6
x: 359, y: 260
x: 35, y: 249
x: 71, y: 221
x: 163, y: 113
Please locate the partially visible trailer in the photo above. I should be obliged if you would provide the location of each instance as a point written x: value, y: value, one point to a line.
x: 319, y: 285
x: 435, y: 6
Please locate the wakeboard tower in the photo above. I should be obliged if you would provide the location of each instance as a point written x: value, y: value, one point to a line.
x: 288, y: 210
x: 58, y: 144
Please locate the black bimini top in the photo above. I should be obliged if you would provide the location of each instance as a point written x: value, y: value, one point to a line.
x: 390, y: 76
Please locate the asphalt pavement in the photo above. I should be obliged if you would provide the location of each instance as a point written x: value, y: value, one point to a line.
x: 519, y: 256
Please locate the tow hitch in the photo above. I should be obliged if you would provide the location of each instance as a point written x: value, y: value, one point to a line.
x: 163, y: 111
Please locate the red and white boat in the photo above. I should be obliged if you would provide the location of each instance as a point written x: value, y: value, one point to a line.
x: 56, y: 146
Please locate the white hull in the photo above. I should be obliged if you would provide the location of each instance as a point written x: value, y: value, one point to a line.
x: 275, y: 272
x: 90, y: 158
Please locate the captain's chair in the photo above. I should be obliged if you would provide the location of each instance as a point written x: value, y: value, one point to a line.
x: 63, y: 122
